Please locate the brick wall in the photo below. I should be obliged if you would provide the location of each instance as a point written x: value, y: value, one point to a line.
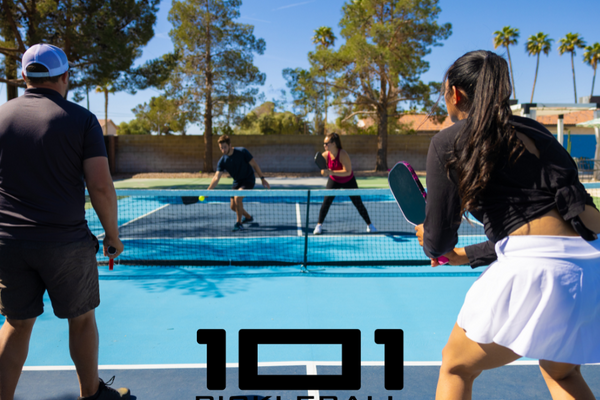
x: 274, y: 153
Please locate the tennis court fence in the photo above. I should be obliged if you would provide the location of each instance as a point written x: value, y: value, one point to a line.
x: 589, y: 169
x: 161, y: 227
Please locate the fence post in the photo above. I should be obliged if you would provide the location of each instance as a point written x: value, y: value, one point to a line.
x: 112, y: 153
x: 305, y: 265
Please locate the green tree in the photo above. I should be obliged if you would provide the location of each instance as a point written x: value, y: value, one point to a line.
x: 380, y: 64
x: 163, y: 115
x: 304, y: 89
x: 537, y: 44
x: 102, y: 38
x: 324, y: 39
x: 217, y: 56
x: 591, y: 56
x: 569, y: 44
x: 106, y: 88
x: 134, y: 127
x: 264, y: 120
x: 506, y: 37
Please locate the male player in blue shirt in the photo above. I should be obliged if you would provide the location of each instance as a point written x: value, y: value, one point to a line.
x: 241, y: 166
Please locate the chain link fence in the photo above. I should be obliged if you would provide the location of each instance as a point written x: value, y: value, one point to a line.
x: 589, y: 170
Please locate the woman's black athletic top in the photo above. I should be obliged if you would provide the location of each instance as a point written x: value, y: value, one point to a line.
x: 518, y: 192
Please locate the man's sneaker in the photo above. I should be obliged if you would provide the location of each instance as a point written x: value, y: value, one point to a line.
x: 237, y: 227
x: 246, y: 220
x: 371, y: 228
x: 318, y: 229
x: 107, y: 393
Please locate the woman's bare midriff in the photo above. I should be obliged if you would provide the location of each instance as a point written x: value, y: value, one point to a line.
x: 552, y: 224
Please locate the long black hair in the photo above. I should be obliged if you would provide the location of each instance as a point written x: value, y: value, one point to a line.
x: 336, y: 139
x: 487, y: 140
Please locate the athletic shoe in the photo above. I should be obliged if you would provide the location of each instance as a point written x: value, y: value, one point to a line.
x: 107, y: 393
x: 237, y: 227
x: 246, y: 220
x: 318, y: 229
x: 371, y: 228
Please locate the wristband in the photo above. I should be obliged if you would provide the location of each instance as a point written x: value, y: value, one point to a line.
x: 262, y: 177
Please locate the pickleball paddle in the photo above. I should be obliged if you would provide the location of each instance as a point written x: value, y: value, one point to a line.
x: 320, y: 161
x: 410, y: 195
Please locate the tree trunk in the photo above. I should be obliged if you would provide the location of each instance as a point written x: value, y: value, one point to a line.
x: 382, y: 138
x: 593, y: 81
x: 208, y: 161
x: 537, y: 66
x: 10, y: 66
x: 512, y: 78
x: 317, y: 118
x: 382, y: 126
x: 574, y: 83
x: 325, y: 104
x: 12, y: 91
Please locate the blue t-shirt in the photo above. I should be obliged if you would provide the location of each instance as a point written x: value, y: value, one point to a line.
x: 44, y: 140
x: 238, y: 165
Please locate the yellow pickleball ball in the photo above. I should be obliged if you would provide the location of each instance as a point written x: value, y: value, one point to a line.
x: 201, y: 198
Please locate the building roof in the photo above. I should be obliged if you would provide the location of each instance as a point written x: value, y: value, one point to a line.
x: 568, y: 119
x: 110, y: 124
x: 420, y: 122
x: 110, y: 121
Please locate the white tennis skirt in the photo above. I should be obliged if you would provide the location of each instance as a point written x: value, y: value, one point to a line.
x: 541, y: 299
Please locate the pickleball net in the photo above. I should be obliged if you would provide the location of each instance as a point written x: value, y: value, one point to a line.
x: 158, y: 228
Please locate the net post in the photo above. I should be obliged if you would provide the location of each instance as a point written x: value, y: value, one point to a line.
x: 305, y: 265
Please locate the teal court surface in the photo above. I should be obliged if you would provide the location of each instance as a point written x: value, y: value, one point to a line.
x: 150, y: 312
x: 149, y: 317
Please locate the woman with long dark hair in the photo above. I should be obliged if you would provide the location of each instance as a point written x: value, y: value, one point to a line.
x: 341, y: 176
x: 540, y: 296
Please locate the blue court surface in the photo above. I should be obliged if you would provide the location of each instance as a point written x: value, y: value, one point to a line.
x: 149, y: 318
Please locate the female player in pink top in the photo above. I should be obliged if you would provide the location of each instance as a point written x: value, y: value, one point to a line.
x: 340, y: 177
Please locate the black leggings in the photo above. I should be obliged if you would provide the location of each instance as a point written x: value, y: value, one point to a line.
x: 351, y: 184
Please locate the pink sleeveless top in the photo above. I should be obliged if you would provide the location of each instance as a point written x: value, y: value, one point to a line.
x: 336, y: 165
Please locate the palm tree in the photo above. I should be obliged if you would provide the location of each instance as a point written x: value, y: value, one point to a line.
x: 105, y: 88
x: 537, y: 44
x: 506, y: 37
x: 569, y: 44
x: 324, y: 38
x: 591, y: 56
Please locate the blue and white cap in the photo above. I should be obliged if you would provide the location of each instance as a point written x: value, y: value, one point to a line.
x: 51, y: 57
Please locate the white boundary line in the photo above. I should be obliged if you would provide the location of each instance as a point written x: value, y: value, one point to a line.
x: 138, y: 218
x: 299, y: 219
x: 311, y: 366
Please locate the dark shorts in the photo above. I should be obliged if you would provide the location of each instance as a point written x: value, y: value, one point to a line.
x: 245, y: 184
x: 68, y: 271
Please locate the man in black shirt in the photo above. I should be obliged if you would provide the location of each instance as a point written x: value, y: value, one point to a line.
x: 49, y: 145
x: 241, y: 166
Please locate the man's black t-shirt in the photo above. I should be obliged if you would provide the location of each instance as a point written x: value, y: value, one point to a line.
x: 237, y: 165
x: 43, y: 142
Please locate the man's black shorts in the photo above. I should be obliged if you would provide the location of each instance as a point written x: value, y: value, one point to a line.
x: 245, y: 184
x: 67, y: 270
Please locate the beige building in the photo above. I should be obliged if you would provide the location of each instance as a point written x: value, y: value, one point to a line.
x: 112, y: 128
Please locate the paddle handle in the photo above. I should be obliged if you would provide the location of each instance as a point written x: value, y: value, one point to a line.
x: 111, y: 261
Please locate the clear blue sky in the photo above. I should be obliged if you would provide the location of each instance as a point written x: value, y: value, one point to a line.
x: 287, y: 27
